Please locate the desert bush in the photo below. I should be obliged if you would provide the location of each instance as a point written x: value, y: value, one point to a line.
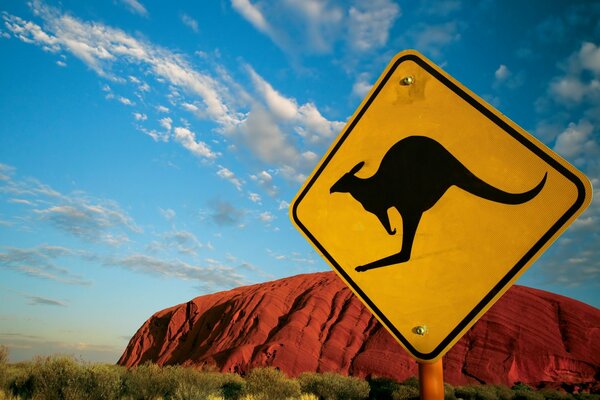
x: 478, y: 392
x: 149, y: 381
x: 382, y: 388
x: 193, y: 384
x: 7, y: 396
x: 4, y: 354
x: 413, y: 381
x: 103, y: 382
x: 527, y: 395
x: 406, y: 392
x: 330, y: 386
x: 53, y: 378
x: 271, y: 384
x: 552, y: 394
x: 449, y: 392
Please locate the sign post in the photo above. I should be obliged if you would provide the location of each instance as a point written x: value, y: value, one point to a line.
x: 431, y: 203
x: 431, y: 380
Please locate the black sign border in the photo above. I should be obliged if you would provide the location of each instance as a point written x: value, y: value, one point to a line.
x: 512, y: 272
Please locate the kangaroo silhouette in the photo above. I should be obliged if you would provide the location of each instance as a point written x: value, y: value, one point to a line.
x: 413, y: 175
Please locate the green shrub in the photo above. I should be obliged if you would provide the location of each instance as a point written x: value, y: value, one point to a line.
x: 104, y: 382
x: 193, y: 384
x: 148, y: 381
x: 552, y: 394
x: 382, y: 388
x: 408, y: 392
x: 413, y: 381
x: 449, y: 392
x: 3, y: 354
x: 56, y: 378
x: 271, y: 384
x: 527, y: 394
x: 330, y: 386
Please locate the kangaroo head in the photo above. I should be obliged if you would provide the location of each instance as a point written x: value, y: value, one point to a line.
x: 347, y: 182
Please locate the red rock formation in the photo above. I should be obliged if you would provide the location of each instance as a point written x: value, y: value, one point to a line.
x: 314, y: 323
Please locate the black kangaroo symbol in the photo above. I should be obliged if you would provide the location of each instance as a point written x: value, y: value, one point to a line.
x: 413, y: 175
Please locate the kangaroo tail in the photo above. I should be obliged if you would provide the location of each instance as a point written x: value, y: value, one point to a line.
x: 476, y: 186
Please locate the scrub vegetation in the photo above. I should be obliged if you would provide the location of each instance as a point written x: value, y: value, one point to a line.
x: 64, y: 378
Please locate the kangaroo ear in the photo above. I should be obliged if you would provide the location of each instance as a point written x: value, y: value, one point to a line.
x: 356, y: 168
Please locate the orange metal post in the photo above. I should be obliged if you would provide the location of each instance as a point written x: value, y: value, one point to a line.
x: 431, y: 380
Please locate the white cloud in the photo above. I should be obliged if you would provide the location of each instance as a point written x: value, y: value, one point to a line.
x: 315, y: 26
x: 581, y: 81
x: 190, y: 22
x: 224, y: 213
x: 44, y: 301
x: 254, y: 197
x: 252, y: 14
x: 502, y: 73
x: 102, y: 48
x: 278, y: 130
x: 266, y: 217
x: 125, y: 100
x: 187, y: 139
x: 505, y: 77
x: 89, y: 221
x: 78, y: 214
x: 229, y: 176
x: 589, y: 56
x: 61, y: 63
x: 166, y: 123
x: 267, y: 127
x: 213, y: 276
x: 370, y: 22
x: 265, y: 180
x: 283, y: 205
x: 577, y: 141
x: 362, y: 86
x: 433, y: 38
x: 282, y: 107
x: 168, y: 213
x: 41, y: 262
x: 135, y: 7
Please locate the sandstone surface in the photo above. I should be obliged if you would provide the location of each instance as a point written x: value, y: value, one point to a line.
x: 313, y: 322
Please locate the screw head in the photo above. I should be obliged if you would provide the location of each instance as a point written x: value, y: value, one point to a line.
x: 407, y: 80
x: 420, y: 330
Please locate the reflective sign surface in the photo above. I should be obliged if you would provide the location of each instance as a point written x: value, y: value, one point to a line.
x: 430, y: 204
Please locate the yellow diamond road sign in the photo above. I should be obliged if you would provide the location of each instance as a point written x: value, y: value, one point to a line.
x: 431, y: 203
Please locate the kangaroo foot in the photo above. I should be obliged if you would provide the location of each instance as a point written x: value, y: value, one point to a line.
x: 390, y: 260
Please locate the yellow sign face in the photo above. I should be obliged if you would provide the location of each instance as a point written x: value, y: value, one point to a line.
x: 430, y: 204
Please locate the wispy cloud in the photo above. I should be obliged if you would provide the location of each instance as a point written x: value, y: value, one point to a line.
x: 432, y: 38
x: 41, y: 262
x: 581, y: 80
x: 370, y: 23
x: 183, y: 242
x: 275, y: 129
x: 230, y: 176
x: 190, y: 22
x: 211, y: 276
x: 44, y: 301
x: 505, y: 77
x: 226, y: 214
x: 77, y: 213
x: 301, y: 27
x: 573, y: 126
x: 135, y: 7
x: 187, y: 139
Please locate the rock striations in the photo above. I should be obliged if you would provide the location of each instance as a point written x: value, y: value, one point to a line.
x: 314, y: 323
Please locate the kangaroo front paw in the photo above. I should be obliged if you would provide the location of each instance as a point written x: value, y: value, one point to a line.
x: 361, y: 268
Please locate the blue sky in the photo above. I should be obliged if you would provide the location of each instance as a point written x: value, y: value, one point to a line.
x: 149, y: 150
